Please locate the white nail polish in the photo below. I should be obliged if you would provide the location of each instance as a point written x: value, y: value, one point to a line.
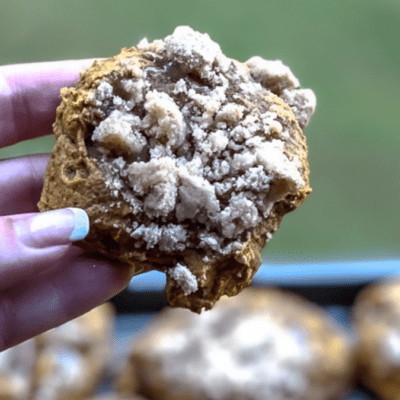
x: 81, y: 228
x: 53, y: 228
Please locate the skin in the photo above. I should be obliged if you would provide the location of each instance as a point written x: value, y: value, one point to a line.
x: 40, y: 288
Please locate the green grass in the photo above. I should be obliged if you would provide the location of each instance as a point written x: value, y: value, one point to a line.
x: 347, y: 51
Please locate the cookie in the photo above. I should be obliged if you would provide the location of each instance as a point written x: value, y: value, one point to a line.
x: 71, y: 358
x: 262, y: 344
x: 16, y: 371
x: 376, y: 316
x: 184, y: 159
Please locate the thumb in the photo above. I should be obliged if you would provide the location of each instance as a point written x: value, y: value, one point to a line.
x: 32, y: 242
x: 52, y: 228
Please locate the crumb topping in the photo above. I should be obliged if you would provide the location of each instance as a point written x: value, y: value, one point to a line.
x: 193, y: 139
x: 184, y: 277
x: 302, y: 102
x: 272, y: 73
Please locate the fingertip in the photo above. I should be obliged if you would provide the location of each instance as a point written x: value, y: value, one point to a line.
x: 81, y: 225
x: 52, y: 228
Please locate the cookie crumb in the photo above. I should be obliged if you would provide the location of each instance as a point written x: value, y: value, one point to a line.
x: 184, y: 277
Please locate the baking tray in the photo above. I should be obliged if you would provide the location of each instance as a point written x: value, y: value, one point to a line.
x: 334, y: 286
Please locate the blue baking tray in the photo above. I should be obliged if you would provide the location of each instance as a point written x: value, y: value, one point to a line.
x: 331, y: 285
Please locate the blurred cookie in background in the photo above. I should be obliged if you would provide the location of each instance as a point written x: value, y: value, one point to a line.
x: 66, y: 362
x: 262, y: 344
x: 71, y: 358
x: 16, y: 370
x: 376, y: 316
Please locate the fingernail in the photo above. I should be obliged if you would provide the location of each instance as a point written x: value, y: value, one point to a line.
x: 53, y: 228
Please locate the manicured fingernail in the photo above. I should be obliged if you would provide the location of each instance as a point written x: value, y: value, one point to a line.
x: 81, y: 226
x: 53, y: 228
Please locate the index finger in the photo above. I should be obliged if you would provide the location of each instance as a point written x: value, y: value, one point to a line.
x: 29, y: 96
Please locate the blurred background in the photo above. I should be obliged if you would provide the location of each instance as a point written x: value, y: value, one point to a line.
x: 348, y: 52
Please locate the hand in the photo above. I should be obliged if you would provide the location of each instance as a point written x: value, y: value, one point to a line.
x: 44, y: 280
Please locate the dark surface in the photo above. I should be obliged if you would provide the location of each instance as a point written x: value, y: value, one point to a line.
x: 327, y: 284
x: 129, y: 302
x: 134, y: 302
